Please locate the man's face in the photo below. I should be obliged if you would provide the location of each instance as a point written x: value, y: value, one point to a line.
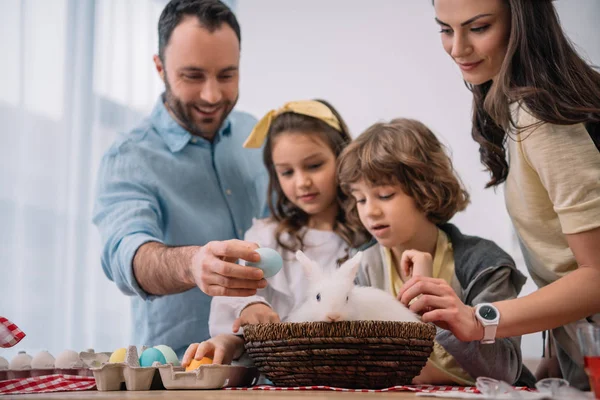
x: 201, y: 75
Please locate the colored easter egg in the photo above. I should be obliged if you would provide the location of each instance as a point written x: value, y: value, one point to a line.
x: 169, y: 354
x: 270, y: 261
x: 118, y: 356
x: 150, y: 355
x: 195, y: 364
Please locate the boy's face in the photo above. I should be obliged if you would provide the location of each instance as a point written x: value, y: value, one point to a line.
x: 389, y: 214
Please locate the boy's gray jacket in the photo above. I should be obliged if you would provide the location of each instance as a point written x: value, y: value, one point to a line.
x: 484, y: 273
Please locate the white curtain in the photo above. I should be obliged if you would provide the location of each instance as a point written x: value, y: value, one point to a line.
x: 73, y: 74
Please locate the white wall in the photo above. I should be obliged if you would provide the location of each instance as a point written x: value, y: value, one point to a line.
x: 378, y: 60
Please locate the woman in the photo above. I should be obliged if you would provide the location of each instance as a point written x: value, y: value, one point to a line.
x: 536, y: 116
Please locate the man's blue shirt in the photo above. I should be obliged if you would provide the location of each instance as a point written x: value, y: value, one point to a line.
x: 160, y: 183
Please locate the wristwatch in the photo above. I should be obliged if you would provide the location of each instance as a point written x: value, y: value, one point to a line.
x: 489, y: 316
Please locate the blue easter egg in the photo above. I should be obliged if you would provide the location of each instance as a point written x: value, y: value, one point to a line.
x: 270, y: 261
x: 150, y: 355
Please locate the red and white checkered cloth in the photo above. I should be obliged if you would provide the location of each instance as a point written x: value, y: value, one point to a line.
x: 410, y: 388
x: 10, y: 334
x: 47, y: 383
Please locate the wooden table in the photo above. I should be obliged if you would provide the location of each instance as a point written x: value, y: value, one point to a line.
x: 215, y: 395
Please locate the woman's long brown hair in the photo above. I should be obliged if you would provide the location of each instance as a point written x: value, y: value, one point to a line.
x: 292, y: 219
x: 541, y: 70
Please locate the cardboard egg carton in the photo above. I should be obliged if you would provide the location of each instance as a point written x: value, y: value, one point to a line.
x: 81, y: 366
x: 129, y: 375
x: 208, y: 376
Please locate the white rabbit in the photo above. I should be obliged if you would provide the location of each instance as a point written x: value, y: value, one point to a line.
x: 333, y: 297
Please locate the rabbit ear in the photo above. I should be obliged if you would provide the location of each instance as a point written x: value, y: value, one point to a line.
x: 350, y: 267
x: 311, y: 268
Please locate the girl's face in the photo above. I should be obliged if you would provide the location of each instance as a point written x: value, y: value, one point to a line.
x: 305, y: 167
x: 475, y: 34
x: 389, y: 214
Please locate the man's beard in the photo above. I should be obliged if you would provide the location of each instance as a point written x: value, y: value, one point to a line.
x: 184, y: 114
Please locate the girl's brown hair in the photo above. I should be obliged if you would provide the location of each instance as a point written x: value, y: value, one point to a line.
x: 407, y: 153
x: 541, y: 70
x: 292, y: 219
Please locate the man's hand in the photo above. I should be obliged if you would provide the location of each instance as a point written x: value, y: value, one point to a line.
x: 222, y: 349
x: 215, y: 272
x: 257, y: 313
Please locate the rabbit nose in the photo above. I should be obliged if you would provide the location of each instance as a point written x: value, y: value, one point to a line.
x: 333, y: 316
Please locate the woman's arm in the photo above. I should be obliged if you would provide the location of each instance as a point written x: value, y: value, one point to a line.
x: 569, y: 299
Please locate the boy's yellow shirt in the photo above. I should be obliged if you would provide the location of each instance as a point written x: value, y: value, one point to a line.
x: 443, y: 268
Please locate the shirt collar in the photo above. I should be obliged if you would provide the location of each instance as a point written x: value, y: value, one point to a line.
x: 175, y: 136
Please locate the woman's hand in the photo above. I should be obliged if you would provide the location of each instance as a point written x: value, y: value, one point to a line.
x: 222, y: 349
x: 257, y: 313
x: 438, y: 303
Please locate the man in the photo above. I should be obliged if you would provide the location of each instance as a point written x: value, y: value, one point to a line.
x: 175, y: 193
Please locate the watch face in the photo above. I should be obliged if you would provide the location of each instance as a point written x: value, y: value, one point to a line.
x: 488, y: 313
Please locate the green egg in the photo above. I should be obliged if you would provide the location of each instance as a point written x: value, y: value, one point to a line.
x: 169, y: 354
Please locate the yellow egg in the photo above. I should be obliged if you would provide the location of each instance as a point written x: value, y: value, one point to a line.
x: 118, y: 356
x: 195, y: 364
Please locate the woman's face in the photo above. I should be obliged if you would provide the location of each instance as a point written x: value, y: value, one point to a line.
x: 475, y: 34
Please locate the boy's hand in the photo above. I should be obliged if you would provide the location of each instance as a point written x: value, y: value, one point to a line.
x: 257, y: 313
x: 416, y: 263
x: 222, y: 349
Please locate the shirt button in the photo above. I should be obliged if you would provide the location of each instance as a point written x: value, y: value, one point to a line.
x: 240, y: 232
x: 194, y: 140
x: 228, y: 192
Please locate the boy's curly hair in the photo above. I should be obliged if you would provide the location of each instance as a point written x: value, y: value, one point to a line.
x: 404, y: 152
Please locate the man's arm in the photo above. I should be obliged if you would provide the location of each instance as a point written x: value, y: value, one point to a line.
x: 130, y: 220
x: 161, y: 269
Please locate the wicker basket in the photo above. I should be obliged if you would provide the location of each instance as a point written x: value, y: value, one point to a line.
x: 350, y: 354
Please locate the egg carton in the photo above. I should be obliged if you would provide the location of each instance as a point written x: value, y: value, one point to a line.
x: 119, y: 376
x: 30, y: 373
x: 129, y: 375
x: 81, y: 366
x: 208, y: 376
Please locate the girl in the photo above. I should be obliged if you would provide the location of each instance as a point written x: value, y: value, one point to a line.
x: 404, y: 192
x: 303, y: 141
x: 536, y: 117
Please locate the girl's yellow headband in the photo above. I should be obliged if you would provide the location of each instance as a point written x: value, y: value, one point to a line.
x: 311, y: 108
